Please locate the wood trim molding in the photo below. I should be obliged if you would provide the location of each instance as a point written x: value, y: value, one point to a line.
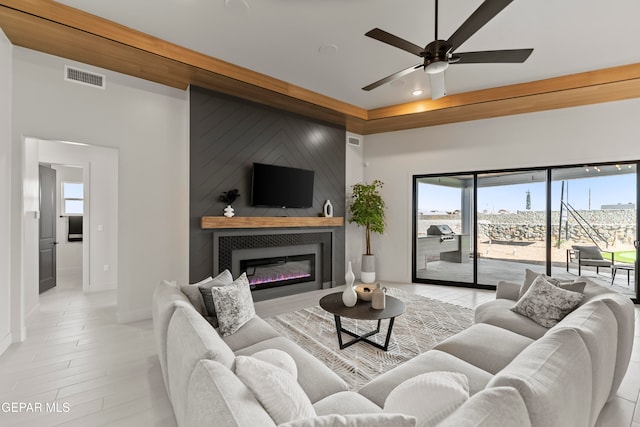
x: 221, y: 222
x: 60, y: 30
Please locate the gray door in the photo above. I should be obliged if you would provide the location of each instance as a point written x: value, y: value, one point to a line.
x: 47, y: 228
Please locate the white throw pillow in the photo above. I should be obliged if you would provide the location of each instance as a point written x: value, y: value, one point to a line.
x: 546, y: 304
x: 234, y: 305
x: 429, y: 397
x: 275, y: 389
x: 192, y: 292
x: 355, y: 420
x: 223, y: 279
x: 279, y: 358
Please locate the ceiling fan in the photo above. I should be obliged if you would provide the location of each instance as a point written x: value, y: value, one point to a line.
x: 440, y: 53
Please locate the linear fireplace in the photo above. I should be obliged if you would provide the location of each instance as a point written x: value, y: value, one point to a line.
x: 277, y: 262
x: 284, y: 270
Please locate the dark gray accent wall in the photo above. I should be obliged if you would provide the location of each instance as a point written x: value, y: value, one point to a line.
x: 227, y: 136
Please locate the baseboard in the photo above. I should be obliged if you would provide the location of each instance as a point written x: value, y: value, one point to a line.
x: 5, y: 342
x: 133, y: 315
x: 34, y: 310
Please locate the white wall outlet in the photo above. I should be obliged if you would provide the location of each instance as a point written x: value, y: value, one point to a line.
x: 100, y: 227
x: 106, y: 267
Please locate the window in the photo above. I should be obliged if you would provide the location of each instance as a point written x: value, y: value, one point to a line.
x: 72, y: 198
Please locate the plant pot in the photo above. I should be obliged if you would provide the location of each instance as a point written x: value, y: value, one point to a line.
x: 368, y: 270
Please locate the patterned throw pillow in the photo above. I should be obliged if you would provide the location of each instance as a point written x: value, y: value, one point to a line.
x: 234, y: 305
x: 546, y: 304
x: 222, y: 279
x: 530, y: 276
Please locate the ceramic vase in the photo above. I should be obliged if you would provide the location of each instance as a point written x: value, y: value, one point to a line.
x: 349, y: 295
x: 378, y: 298
x: 228, y: 211
x: 327, y: 209
x: 368, y: 273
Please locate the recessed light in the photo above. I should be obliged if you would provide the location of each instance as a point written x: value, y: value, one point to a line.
x: 416, y: 92
x: 237, y: 5
x: 328, y: 49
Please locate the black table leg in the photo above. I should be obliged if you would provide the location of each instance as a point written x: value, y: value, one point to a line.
x: 364, y: 337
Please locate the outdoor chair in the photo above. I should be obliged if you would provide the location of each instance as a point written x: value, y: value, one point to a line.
x: 588, y: 256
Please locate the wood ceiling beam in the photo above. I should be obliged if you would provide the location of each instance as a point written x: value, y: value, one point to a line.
x: 60, y: 30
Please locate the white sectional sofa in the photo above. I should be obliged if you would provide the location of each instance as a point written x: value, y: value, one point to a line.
x: 520, y: 374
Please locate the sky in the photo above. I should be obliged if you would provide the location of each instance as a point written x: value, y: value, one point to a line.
x: 607, y: 190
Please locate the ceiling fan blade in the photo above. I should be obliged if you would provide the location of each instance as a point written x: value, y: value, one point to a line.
x: 477, y: 20
x: 393, y: 77
x: 395, y: 41
x: 492, y: 56
x: 438, y: 89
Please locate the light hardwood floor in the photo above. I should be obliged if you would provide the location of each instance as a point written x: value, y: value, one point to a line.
x: 93, y: 371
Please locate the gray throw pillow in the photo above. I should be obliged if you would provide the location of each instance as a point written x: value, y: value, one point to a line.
x: 195, y: 296
x: 588, y: 252
x: 530, y: 276
x: 546, y: 304
x: 234, y: 305
x: 222, y: 279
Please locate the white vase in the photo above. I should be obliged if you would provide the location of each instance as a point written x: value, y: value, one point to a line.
x: 349, y: 295
x: 327, y: 209
x: 378, y: 299
x: 368, y: 273
x: 228, y: 211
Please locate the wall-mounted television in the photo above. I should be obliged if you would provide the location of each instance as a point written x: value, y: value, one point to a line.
x: 281, y: 186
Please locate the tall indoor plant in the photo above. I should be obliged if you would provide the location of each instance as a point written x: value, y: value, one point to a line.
x: 367, y: 210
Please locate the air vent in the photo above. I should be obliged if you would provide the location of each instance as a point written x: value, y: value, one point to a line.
x: 353, y: 139
x: 76, y: 75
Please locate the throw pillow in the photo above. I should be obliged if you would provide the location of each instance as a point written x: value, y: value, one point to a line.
x: 234, y: 305
x: 531, y: 276
x: 222, y: 279
x: 546, y: 304
x: 278, y: 358
x: 192, y: 292
x: 277, y: 391
x: 429, y: 397
x: 355, y: 420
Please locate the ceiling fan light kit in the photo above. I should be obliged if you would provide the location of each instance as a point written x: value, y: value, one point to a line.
x: 439, y: 54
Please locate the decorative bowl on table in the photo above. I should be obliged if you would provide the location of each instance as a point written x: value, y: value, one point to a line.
x: 365, y: 291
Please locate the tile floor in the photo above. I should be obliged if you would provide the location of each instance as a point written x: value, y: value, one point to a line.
x: 85, y: 369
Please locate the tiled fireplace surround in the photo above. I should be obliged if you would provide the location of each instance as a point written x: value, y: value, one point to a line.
x: 231, y: 246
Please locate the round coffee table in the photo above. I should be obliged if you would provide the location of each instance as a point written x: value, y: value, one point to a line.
x: 362, y: 311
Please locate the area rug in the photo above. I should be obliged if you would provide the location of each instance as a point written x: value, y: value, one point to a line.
x: 425, y: 323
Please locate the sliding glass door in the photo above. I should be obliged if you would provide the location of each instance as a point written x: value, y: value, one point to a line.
x: 477, y: 228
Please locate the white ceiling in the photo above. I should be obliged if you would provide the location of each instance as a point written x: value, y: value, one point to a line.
x: 283, y: 39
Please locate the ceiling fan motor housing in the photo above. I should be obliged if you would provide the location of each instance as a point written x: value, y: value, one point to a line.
x: 436, y: 57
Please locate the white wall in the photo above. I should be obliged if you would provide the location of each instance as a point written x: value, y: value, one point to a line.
x: 68, y: 254
x: 149, y: 125
x: 595, y: 133
x: 5, y: 191
x: 354, y: 235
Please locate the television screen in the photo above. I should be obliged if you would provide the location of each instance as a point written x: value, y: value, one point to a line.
x: 280, y: 186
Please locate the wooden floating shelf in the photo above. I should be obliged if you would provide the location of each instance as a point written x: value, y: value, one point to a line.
x: 216, y: 222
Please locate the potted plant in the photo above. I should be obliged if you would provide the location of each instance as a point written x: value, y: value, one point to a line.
x: 367, y: 210
x: 229, y: 197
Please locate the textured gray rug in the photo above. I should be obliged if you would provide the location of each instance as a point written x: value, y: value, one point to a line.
x: 425, y: 323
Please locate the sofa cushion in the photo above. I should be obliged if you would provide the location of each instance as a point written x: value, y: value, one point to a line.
x: 498, y: 313
x: 345, y: 402
x: 215, y: 393
x: 190, y: 338
x: 275, y: 389
x: 429, y: 397
x: 356, y: 420
x: 553, y: 377
x: 166, y: 297
x: 222, y: 279
x: 192, y: 292
x: 623, y: 310
x: 316, y: 379
x: 530, y: 276
x: 252, y: 332
x: 545, y: 303
x: 474, y: 344
x: 598, y: 328
x: 493, y: 407
x: 378, y: 389
x: 234, y: 305
x: 280, y: 359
